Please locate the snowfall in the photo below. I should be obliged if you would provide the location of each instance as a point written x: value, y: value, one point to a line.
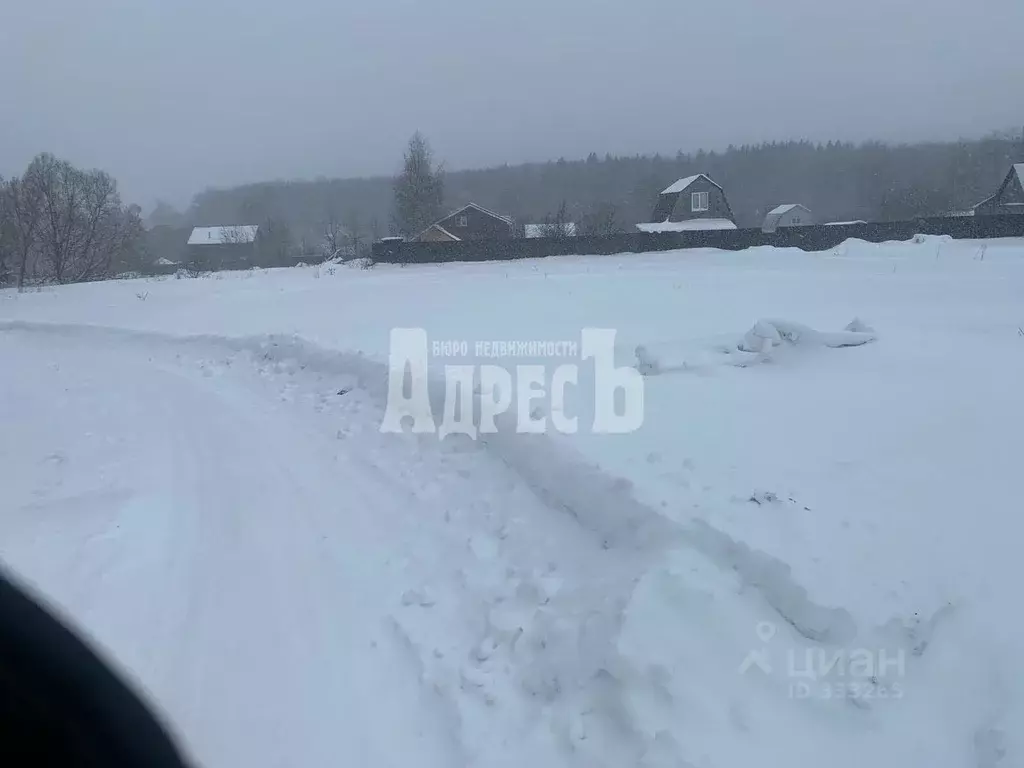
x: 808, y: 552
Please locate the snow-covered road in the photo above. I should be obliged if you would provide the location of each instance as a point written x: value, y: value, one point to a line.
x: 283, y: 579
x: 234, y: 560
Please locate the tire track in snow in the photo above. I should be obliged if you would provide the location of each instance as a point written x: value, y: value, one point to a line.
x: 519, y: 623
x: 268, y: 657
x: 602, y: 504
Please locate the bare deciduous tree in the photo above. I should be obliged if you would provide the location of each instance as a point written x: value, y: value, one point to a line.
x: 558, y: 226
x: 83, y: 224
x: 274, y: 244
x: 197, y: 263
x: 21, y: 211
x: 334, y: 235
x: 5, y: 233
x: 602, y: 219
x: 63, y: 224
x: 235, y: 235
x: 354, y: 235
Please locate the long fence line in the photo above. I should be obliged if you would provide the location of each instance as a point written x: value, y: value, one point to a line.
x: 818, y: 237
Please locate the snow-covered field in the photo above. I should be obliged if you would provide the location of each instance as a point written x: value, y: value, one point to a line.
x: 807, y: 553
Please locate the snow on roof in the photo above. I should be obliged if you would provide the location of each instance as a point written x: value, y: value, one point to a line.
x: 682, y: 184
x: 538, y: 230
x: 163, y: 261
x: 437, y: 227
x: 482, y: 210
x: 1018, y: 169
x: 686, y: 226
x: 843, y: 223
x: 444, y: 231
x: 240, y: 233
x: 783, y: 209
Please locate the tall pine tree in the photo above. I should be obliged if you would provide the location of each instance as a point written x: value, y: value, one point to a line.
x: 419, y: 190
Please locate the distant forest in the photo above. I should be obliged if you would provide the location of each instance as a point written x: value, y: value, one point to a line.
x: 837, y: 181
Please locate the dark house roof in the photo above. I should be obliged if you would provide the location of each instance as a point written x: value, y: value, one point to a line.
x: 1016, y: 171
x: 670, y: 196
x: 480, y: 208
x: 449, y: 228
x: 437, y: 233
x: 682, y: 184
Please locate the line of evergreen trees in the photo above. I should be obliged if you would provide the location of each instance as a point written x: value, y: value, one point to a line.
x: 836, y: 180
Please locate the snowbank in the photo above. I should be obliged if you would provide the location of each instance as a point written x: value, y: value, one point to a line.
x: 690, y: 225
x: 756, y: 346
x: 767, y: 334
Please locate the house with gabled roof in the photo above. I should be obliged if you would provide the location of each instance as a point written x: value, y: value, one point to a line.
x: 696, y: 202
x: 1009, y: 198
x: 233, y: 234
x: 435, y: 233
x: 225, y: 247
x: 789, y: 215
x: 470, y: 222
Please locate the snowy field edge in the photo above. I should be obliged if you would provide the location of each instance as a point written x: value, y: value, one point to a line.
x: 691, y: 594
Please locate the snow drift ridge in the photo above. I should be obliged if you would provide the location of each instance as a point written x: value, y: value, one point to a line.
x: 603, y: 505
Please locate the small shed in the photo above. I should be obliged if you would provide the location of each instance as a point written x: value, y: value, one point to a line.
x: 789, y: 215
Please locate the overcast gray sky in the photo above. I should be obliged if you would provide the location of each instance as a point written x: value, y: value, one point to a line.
x: 171, y: 96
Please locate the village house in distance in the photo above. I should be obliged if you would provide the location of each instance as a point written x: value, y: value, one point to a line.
x: 1008, y: 199
x: 695, y: 202
x: 228, y: 247
x: 470, y: 222
x: 790, y: 215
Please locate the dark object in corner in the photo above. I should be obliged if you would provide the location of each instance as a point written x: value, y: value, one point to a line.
x: 61, y: 705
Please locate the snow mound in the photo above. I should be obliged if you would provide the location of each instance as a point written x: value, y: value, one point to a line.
x: 937, y: 239
x: 646, y: 362
x: 756, y: 346
x: 767, y: 334
x: 858, y: 326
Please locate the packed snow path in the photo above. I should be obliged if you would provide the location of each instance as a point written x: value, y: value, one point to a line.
x: 290, y: 585
x: 222, y: 553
